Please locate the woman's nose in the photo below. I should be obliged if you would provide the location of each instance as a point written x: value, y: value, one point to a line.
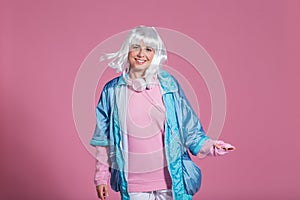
x: 141, y: 52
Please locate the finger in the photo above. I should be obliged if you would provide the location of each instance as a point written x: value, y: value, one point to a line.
x: 97, y: 189
x: 101, y: 192
x: 106, y: 191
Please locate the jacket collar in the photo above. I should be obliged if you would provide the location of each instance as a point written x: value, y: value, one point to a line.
x: 166, y: 80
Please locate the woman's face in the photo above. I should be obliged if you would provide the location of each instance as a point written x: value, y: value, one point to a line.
x: 140, y: 56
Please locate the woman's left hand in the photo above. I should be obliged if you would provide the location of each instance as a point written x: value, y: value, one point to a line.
x: 226, y: 148
x: 221, y: 148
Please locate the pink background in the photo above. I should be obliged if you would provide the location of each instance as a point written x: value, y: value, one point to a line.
x: 255, y: 45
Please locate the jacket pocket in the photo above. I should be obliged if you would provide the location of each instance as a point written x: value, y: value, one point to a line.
x: 115, y: 179
x: 191, y: 175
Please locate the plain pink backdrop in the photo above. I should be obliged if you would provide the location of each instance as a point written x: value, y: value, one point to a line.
x: 255, y: 45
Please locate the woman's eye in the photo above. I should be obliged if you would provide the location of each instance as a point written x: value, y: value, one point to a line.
x: 149, y: 49
x: 135, y: 46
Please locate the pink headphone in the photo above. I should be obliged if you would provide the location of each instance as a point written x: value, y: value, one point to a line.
x: 139, y: 84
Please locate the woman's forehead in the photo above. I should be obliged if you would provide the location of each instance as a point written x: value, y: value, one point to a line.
x: 139, y: 42
x: 143, y: 43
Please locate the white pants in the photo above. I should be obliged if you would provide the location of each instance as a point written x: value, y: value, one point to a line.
x: 154, y: 195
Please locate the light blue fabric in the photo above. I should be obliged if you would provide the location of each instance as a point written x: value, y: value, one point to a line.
x: 183, y: 132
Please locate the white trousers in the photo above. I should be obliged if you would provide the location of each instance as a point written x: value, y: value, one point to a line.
x: 153, y: 195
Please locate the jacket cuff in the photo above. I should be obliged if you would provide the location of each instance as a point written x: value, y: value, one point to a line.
x: 207, y: 148
x: 95, y: 143
x: 195, y: 150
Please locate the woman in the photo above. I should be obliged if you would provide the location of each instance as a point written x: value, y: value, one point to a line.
x: 146, y: 126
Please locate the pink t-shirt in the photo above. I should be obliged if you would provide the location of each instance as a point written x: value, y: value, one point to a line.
x: 145, y: 121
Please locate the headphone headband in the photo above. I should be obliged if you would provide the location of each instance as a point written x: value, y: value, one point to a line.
x: 139, y: 84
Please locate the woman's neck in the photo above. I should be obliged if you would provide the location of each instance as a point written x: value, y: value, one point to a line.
x: 136, y: 74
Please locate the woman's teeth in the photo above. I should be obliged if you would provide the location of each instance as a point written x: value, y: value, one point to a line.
x: 139, y: 61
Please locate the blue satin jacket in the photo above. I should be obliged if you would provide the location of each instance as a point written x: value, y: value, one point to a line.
x: 183, y: 133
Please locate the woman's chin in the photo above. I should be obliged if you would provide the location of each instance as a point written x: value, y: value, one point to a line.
x: 141, y: 67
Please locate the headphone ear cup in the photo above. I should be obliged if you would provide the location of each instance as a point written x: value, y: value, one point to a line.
x: 151, y: 82
x: 139, y: 84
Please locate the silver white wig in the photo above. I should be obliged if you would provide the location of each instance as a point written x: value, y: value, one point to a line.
x: 151, y: 38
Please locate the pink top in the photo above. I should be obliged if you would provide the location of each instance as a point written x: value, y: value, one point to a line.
x: 102, y: 167
x: 147, y: 166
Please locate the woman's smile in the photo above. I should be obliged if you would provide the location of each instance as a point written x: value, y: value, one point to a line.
x: 140, y: 61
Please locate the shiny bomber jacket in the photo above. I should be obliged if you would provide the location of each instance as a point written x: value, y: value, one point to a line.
x: 183, y: 133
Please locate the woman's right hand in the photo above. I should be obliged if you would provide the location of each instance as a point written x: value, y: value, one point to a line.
x: 102, y: 191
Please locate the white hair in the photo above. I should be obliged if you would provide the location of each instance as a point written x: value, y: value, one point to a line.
x: 151, y: 38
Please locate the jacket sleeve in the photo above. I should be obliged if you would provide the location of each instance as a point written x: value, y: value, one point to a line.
x: 101, y: 133
x: 191, y: 128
